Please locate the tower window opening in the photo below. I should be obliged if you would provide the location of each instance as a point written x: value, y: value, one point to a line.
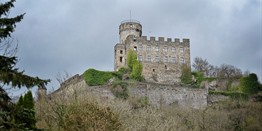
x: 173, y: 59
x: 156, y: 58
x: 140, y: 47
x: 121, y: 51
x: 154, y: 70
x: 181, y: 49
x: 148, y: 58
x: 182, y: 61
x: 148, y: 48
x: 165, y: 67
x: 166, y: 59
x: 121, y: 59
x: 140, y: 58
x: 165, y: 49
x: 173, y: 49
x: 156, y: 48
x: 135, y: 48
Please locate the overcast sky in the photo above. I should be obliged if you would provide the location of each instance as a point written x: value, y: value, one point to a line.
x: 74, y: 35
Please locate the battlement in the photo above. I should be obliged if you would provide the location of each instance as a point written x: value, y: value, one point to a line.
x: 162, y: 39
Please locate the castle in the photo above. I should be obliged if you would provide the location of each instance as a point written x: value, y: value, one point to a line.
x: 161, y: 59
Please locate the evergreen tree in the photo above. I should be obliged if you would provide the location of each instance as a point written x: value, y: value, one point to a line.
x: 25, y: 114
x: 9, y: 75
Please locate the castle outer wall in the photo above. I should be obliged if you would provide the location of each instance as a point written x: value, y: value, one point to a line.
x: 161, y: 59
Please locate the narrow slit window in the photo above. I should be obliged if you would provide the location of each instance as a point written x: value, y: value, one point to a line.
x: 121, y: 59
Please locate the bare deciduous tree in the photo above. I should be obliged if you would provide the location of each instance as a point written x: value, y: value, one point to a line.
x: 229, y: 71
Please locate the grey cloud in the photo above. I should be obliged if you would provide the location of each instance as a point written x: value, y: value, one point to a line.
x: 72, y: 35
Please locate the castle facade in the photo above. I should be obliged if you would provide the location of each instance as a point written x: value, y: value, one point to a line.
x: 161, y: 59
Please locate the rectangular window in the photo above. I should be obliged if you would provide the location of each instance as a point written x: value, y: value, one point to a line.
x: 121, y: 51
x: 181, y: 49
x: 156, y: 48
x: 166, y: 59
x: 156, y: 58
x: 165, y: 48
x: 140, y: 47
x: 148, y: 58
x: 148, y: 48
x: 182, y: 60
x: 140, y: 58
x: 173, y: 49
x: 173, y: 59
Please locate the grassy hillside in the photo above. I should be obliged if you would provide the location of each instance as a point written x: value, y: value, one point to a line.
x: 86, y: 111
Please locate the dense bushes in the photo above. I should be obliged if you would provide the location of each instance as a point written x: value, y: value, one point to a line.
x: 186, y: 76
x: 95, y: 77
x: 85, y: 112
x: 135, y: 66
x: 233, y: 95
x: 119, y: 89
x: 250, y: 84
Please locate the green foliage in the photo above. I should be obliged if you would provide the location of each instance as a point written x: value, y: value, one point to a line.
x: 139, y: 102
x: 250, y: 84
x: 143, y: 101
x: 135, y: 66
x: 25, y: 113
x: 9, y: 75
x: 131, y: 58
x: 199, y: 77
x: 120, y: 90
x: 95, y: 77
x: 119, y: 74
x: 233, y: 95
x: 186, y: 76
x: 258, y: 97
x: 7, y: 24
x: 137, y: 71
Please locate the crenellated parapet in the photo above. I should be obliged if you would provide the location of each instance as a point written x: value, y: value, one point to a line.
x: 152, y: 39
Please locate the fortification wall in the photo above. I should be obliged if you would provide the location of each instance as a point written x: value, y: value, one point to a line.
x: 159, y: 94
x: 164, y: 95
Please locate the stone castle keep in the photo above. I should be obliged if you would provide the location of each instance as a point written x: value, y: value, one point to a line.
x: 162, y: 59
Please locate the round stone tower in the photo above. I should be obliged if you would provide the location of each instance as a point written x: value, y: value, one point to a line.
x: 129, y: 27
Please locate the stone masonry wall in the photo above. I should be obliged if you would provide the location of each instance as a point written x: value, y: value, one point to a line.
x: 158, y: 94
x: 164, y: 95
